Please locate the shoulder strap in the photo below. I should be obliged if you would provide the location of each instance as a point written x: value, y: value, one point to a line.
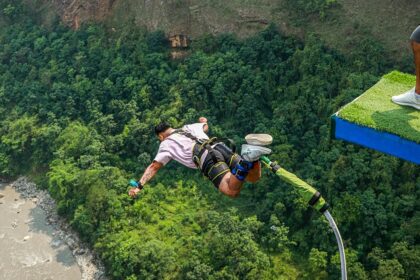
x: 187, y: 134
x: 204, y: 144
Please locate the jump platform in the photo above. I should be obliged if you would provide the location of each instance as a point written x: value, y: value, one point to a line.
x: 374, y: 121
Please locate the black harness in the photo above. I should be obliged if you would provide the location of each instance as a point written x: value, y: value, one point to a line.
x: 216, y: 167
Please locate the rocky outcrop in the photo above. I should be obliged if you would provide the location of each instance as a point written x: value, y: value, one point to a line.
x: 75, y: 12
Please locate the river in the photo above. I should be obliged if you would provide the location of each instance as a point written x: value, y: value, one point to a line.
x: 33, y: 243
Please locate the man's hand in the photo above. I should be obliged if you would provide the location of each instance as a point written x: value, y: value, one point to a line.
x: 148, y: 174
x: 133, y: 192
x: 206, y: 126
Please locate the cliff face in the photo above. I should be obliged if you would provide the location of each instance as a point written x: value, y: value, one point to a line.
x: 75, y: 12
x: 192, y: 17
x: 197, y: 16
x: 389, y: 21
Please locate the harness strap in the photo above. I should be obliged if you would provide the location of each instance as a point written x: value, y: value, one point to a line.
x: 217, y: 170
x: 201, y: 144
x: 187, y: 134
x: 199, y: 150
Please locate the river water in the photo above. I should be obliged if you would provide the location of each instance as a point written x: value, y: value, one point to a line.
x: 29, y: 247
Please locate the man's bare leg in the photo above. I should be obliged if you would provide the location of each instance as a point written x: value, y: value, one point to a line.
x: 255, y: 173
x: 231, y: 186
x: 416, y: 50
x: 248, y: 167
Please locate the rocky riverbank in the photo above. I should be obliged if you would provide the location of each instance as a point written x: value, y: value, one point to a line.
x: 90, y: 266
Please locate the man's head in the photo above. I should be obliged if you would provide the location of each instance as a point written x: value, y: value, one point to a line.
x: 162, y: 130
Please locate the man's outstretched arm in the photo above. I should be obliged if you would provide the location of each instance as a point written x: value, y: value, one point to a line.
x: 150, y: 171
x: 148, y: 174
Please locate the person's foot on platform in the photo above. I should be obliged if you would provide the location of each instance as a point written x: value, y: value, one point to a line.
x: 409, y: 98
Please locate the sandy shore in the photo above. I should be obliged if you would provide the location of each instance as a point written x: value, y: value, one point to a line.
x: 40, y: 239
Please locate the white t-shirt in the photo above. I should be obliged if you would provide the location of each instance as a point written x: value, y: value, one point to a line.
x: 180, y: 147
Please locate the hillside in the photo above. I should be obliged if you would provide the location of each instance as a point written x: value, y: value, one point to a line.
x: 340, y: 24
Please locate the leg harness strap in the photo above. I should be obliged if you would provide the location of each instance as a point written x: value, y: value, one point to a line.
x: 212, y: 166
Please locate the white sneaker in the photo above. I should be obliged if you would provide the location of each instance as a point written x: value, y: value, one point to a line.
x: 409, y: 98
x: 259, y: 139
x: 253, y: 153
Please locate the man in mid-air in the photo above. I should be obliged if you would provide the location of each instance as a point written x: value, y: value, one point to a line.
x: 412, y: 97
x: 191, y: 147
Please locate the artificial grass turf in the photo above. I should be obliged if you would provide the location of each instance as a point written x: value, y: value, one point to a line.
x: 375, y: 109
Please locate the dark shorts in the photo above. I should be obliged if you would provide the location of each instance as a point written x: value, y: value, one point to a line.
x: 215, y: 168
x: 416, y: 35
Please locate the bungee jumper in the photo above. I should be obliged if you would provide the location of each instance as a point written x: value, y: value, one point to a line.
x: 192, y: 147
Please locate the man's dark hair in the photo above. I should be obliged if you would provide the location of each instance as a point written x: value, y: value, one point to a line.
x: 161, y: 127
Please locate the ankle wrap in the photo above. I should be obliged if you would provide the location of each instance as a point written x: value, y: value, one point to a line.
x: 241, y: 169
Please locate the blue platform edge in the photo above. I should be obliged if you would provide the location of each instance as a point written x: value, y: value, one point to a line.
x: 378, y: 140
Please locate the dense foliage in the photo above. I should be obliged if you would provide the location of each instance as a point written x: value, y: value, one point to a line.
x: 310, y: 7
x: 77, y: 110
